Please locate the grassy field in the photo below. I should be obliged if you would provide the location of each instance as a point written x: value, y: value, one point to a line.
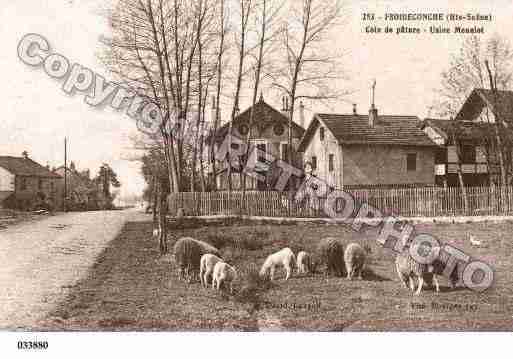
x: 132, y: 288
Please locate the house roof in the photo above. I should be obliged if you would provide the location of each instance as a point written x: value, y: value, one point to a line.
x: 354, y: 129
x: 21, y: 166
x: 465, y: 130
x: 264, y: 115
x: 501, y: 106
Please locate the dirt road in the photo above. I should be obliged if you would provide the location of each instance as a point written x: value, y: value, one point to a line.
x: 41, y: 260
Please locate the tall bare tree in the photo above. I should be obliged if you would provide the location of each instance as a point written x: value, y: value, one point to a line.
x: 223, y: 28
x: 467, y: 71
x: 480, y: 64
x: 310, y: 68
x: 241, y: 37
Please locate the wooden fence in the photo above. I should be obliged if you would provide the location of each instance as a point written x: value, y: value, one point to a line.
x: 407, y: 202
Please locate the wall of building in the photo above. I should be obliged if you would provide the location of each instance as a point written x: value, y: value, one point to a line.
x: 322, y: 149
x: 273, y: 146
x: 6, y: 180
x: 27, y: 190
x: 386, y: 165
x: 6, y: 185
x: 34, y: 185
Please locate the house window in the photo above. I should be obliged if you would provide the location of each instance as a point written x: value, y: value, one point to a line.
x: 284, y: 153
x: 468, y: 154
x: 321, y: 133
x: 23, y: 183
x: 40, y: 184
x: 411, y: 162
x: 314, y: 163
x: 330, y: 162
x: 261, y: 153
x: 441, y: 155
x: 278, y: 129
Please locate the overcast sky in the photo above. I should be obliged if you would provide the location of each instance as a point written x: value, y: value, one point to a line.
x: 38, y: 114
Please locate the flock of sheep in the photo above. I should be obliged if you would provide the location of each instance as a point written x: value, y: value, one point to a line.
x: 197, y: 258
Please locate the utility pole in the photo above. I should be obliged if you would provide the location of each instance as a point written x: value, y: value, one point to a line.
x: 65, y: 174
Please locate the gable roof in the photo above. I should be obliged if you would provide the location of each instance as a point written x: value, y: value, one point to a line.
x: 465, y: 130
x: 354, y: 129
x: 264, y: 115
x: 479, y: 98
x: 21, y: 166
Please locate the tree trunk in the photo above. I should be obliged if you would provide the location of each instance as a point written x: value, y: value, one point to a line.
x: 258, y: 71
x: 218, y: 96
x: 162, y: 222
x: 155, y: 199
x: 460, y: 174
x: 496, y: 127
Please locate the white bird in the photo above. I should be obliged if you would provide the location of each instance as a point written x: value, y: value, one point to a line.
x: 474, y: 241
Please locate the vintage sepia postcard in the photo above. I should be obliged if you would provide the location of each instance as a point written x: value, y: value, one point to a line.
x: 255, y: 165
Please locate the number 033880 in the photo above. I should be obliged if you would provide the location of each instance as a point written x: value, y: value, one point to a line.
x: 32, y: 345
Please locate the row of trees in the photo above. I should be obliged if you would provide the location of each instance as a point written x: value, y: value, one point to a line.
x: 182, y: 53
x: 85, y: 193
x: 187, y: 54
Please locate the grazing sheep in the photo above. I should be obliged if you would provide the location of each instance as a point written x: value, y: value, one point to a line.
x: 355, y: 257
x: 304, y: 262
x: 207, y: 263
x: 438, y: 270
x: 188, y: 252
x: 224, y: 274
x: 331, y: 252
x: 284, y: 257
x: 408, y: 270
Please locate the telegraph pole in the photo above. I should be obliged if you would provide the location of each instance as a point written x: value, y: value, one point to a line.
x: 65, y: 174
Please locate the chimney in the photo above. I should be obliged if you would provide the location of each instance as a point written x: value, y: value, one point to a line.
x: 373, y: 112
x: 285, y: 106
x: 302, y: 114
x: 355, y: 112
x: 25, y: 155
x: 373, y: 116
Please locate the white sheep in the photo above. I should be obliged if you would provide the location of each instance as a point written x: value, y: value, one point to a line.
x: 355, y: 257
x: 284, y: 257
x: 409, y: 269
x: 207, y: 264
x: 224, y: 274
x: 304, y: 262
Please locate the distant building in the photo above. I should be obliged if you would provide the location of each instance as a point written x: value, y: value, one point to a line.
x: 353, y: 150
x: 25, y: 183
x: 472, y: 135
x: 269, y: 133
x: 469, y: 139
x: 82, y: 192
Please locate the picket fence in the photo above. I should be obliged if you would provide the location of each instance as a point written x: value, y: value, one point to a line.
x: 407, y: 202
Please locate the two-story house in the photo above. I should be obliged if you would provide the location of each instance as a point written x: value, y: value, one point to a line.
x: 269, y: 133
x: 354, y: 150
x: 467, y: 144
x: 462, y: 148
